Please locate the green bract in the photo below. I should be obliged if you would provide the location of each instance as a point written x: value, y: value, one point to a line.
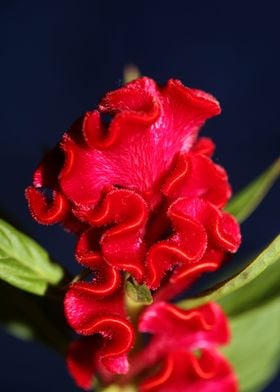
x: 139, y: 293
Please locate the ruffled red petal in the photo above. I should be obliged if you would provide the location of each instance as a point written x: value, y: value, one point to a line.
x: 105, y: 282
x: 47, y: 172
x: 174, y: 329
x: 47, y: 211
x: 204, y: 146
x: 82, y: 361
x: 184, y: 371
x: 88, y: 313
x: 195, y: 175
x: 199, y: 327
x: 184, y: 275
x: 187, y: 247
x: 122, y: 245
x: 198, y: 226
x: 84, y: 304
x: 87, y: 250
x: 54, y: 209
x: 106, y: 279
x: 222, y: 228
x: 150, y: 125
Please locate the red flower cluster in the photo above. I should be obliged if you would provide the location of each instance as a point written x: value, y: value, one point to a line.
x: 140, y: 190
x: 183, y: 344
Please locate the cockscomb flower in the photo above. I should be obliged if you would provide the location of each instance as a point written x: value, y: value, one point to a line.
x: 140, y: 189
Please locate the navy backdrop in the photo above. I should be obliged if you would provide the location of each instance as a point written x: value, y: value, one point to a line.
x: 59, y: 57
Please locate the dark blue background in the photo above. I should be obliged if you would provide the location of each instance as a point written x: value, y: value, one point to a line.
x: 59, y: 57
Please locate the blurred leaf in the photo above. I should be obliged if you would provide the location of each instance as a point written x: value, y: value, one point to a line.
x: 269, y: 256
x: 262, y: 289
x: 29, y: 317
x: 131, y: 72
x: 255, y: 347
x: 19, y: 330
x: 24, y: 263
x: 138, y: 293
x: 254, y: 312
x: 247, y: 200
x: 120, y: 388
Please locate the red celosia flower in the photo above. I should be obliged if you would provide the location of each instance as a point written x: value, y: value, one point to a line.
x: 135, y: 174
x: 144, y: 197
x: 183, y: 343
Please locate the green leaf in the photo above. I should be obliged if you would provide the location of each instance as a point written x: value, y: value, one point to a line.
x: 255, y: 293
x: 247, y: 200
x: 255, y: 347
x: 254, y: 312
x: 138, y: 293
x: 24, y: 263
x: 269, y: 256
